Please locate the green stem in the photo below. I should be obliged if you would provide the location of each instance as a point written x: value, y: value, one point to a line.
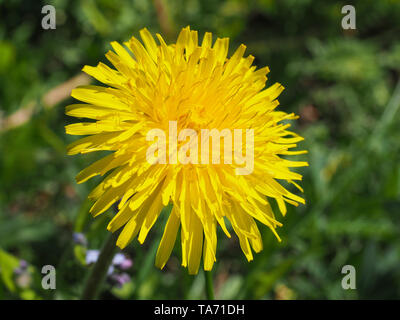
x: 99, y: 272
x: 209, y: 285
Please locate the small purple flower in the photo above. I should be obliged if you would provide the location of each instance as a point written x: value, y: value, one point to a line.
x: 118, y: 259
x: 122, y: 262
x: 79, y: 238
x: 22, y: 268
x: 23, y: 264
x: 92, y: 256
x: 23, y: 277
x: 120, y: 279
x: 126, y: 264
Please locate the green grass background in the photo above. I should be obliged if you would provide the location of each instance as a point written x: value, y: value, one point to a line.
x: 344, y: 84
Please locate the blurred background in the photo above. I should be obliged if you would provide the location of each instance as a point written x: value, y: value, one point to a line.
x: 344, y: 84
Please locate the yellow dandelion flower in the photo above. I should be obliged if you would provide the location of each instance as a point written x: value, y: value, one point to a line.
x: 185, y: 90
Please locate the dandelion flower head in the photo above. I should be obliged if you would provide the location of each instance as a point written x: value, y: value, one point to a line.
x: 198, y: 87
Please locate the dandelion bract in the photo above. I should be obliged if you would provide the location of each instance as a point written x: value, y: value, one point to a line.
x: 199, y: 87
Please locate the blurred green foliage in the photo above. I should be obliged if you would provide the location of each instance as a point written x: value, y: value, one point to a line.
x: 343, y: 83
